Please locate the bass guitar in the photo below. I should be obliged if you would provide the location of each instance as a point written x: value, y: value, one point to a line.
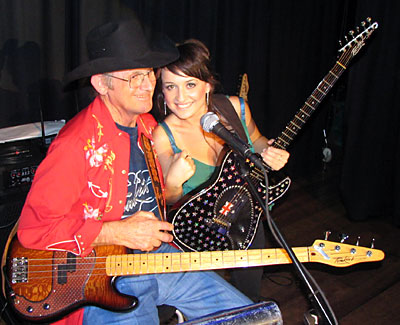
x: 46, y: 285
x: 221, y: 214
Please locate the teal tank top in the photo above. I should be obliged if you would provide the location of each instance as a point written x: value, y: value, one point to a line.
x: 203, y: 171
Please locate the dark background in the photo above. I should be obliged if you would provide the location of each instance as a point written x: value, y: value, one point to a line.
x: 286, y: 48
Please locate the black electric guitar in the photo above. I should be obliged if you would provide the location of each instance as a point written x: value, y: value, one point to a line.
x: 45, y: 285
x: 221, y: 214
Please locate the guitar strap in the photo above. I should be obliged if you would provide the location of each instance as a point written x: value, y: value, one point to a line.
x: 154, y: 175
x: 224, y: 107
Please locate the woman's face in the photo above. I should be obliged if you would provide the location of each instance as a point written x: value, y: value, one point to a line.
x: 185, y: 96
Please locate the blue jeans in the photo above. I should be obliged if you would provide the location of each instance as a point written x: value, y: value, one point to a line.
x: 194, y: 293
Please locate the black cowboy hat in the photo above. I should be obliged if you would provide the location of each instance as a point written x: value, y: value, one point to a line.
x: 123, y: 45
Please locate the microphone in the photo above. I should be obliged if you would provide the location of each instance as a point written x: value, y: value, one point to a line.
x: 210, y: 123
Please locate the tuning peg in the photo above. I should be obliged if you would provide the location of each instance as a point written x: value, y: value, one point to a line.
x: 358, y: 241
x: 373, y: 243
x: 363, y: 23
x: 340, y: 43
x: 326, y: 234
x: 358, y: 29
x: 345, y: 37
x: 369, y: 20
x: 351, y: 33
x: 343, y: 237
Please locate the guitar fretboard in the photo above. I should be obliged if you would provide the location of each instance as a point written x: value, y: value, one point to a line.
x: 312, y: 102
x: 135, y: 264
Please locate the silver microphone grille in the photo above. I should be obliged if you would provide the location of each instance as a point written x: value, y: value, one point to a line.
x: 208, y: 121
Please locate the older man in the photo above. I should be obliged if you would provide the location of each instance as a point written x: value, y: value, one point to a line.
x: 95, y: 188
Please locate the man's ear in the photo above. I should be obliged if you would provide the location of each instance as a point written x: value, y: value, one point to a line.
x: 97, y: 82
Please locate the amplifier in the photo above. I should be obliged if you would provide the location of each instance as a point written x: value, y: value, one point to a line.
x: 18, y: 163
x: 21, y: 150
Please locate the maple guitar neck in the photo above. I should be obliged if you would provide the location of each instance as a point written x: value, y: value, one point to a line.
x: 338, y: 255
x: 135, y: 264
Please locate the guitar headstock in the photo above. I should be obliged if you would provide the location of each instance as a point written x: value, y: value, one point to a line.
x: 243, y: 86
x: 343, y: 255
x: 358, y: 37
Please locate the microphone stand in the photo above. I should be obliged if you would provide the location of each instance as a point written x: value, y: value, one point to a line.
x: 317, y: 298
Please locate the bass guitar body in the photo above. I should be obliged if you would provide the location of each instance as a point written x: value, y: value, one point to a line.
x: 58, y: 282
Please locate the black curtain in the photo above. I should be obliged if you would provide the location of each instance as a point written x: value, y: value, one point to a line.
x: 286, y: 47
x: 370, y: 179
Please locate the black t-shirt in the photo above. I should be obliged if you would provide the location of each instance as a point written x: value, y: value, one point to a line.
x: 140, y: 196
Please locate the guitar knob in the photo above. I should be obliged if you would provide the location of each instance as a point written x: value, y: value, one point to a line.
x: 358, y: 241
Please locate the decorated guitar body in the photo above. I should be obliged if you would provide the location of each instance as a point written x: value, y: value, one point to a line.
x: 45, y: 285
x: 222, y: 214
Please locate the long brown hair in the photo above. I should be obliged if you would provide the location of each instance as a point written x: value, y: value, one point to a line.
x: 194, y: 61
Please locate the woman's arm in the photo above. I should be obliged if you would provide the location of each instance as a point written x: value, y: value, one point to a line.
x: 274, y: 157
x: 177, y: 168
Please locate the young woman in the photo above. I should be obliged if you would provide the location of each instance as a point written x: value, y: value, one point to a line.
x: 188, y: 154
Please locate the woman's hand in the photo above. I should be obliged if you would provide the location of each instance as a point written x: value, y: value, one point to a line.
x: 274, y: 157
x: 182, y: 167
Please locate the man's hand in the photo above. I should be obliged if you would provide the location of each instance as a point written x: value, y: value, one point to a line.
x: 140, y: 231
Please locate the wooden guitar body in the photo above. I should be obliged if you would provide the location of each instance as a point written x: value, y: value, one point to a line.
x: 61, y: 282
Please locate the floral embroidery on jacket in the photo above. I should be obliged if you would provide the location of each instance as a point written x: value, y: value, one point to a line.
x: 96, y: 156
x: 89, y: 212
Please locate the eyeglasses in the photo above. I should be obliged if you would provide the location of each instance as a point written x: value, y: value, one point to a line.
x: 136, y: 80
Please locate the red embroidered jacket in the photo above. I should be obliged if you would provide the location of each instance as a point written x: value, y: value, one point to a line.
x: 80, y: 184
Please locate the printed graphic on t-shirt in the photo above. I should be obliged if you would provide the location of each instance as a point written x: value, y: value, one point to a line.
x: 140, y: 195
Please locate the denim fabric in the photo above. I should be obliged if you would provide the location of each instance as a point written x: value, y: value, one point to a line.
x: 194, y: 293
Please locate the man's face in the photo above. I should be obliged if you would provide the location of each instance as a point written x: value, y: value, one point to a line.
x: 128, y: 99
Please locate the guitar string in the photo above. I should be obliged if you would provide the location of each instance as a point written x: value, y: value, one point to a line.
x: 331, y: 78
x: 223, y: 218
x: 212, y: 263
x: 236, y: 197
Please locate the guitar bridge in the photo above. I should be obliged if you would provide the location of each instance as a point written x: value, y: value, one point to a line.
x: 19, y: 270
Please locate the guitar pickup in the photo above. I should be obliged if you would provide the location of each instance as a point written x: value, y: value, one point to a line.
x: 70, y: 266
